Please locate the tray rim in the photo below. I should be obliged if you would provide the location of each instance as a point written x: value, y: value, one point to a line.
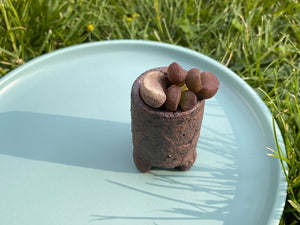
x: 252, y: 96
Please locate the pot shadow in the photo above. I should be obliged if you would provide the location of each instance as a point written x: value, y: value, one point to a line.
x: 74, y: 141
x: 212, y: 187
x: 215, y: 207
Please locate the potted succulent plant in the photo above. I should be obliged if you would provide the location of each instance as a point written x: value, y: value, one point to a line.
x: 167, y: 106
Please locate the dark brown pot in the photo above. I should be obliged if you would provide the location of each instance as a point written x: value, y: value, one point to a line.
x: 163, y: 139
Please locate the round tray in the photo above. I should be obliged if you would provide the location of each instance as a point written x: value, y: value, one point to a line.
x: 66, y: 150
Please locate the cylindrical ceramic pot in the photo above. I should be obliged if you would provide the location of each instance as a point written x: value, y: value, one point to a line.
x: 163, y: 139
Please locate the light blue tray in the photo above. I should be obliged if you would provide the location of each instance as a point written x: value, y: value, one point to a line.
x: 66, y: 151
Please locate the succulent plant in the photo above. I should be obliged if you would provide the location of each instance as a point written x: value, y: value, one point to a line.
x: 176, y: 73
x: 184, y: 88
x: 153, y: 88
x: 210, y: 85
x: 188, y: 100
x: 173, y: 98
x: 193, y: 80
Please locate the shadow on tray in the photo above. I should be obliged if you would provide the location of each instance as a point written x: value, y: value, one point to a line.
x: 90, y: 143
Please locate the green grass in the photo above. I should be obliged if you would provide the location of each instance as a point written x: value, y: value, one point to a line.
x: 258, y: 39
